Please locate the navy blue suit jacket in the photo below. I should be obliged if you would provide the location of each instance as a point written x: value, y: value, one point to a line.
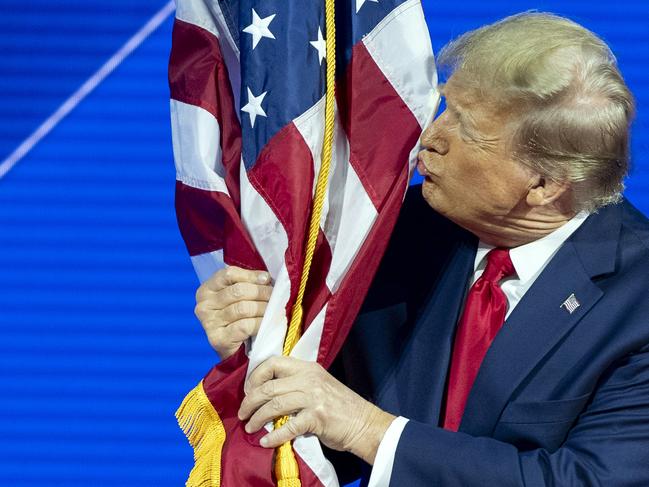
x: 561, y: 399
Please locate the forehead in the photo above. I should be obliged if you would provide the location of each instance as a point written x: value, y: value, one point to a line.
x: 459, y: 95
x: 467, y: 98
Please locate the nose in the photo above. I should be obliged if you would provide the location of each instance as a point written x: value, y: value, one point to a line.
x: 433, y: 137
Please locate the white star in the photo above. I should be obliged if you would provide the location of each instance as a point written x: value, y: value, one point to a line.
x: 359, y: 3
x: 259, y: 28
x: 253, y: 108
x: 321, y: 46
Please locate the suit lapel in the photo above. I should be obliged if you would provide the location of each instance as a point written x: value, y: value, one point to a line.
x: 421, y: 374
x: 539, y: 321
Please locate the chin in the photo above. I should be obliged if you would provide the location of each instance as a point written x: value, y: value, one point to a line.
x: 431, y: 194
x: 447, y: 207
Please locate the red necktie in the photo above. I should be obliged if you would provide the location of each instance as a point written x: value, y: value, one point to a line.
x: 484, y: 313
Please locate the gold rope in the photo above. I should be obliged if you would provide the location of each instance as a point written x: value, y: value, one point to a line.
x: 286, y: 468
x: 206, y: 434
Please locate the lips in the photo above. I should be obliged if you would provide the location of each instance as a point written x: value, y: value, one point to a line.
x: 421, y: 168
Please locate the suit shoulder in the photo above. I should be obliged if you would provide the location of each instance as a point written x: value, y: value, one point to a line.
x: 419, y: 226
x: 418, y: 247
x: 636, y: 223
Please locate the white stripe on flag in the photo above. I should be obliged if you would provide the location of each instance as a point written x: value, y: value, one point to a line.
x: 196, y: 144
x: 270, y: 337
x: 309, y: 449
x: 351, y: 215
x: 263, y: 226
x: 407, y: 61
x: 197, y: 12
x: 308, y: 346
x: 348, y: 213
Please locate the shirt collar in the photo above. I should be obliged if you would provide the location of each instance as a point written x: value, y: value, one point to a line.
x: 531, y: 258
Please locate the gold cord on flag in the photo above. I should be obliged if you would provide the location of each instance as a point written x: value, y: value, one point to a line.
x: 286, y: 467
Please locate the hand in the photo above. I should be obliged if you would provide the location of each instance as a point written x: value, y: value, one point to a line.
x: 339, y: 417
x: 230, y: 306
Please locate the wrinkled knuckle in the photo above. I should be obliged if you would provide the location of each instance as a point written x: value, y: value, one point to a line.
x: 248, y: 326
x: 293, y: 427
x: 236, y: 290
x: 230, y: 313
x: 241, y: 309
x: 267, y: 388
x: 229, y: 273
x: 276, y: 403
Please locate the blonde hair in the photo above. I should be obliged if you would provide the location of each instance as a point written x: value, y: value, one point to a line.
x: 570, y: 107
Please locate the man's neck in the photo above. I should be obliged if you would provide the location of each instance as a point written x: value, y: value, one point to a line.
x: 513, y: 230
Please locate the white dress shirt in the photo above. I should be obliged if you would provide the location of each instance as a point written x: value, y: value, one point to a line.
x: 529, y: 261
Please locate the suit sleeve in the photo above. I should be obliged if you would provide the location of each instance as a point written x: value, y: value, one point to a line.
x: 607, y: 446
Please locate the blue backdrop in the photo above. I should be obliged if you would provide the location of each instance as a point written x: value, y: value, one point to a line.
x: 98, y: 342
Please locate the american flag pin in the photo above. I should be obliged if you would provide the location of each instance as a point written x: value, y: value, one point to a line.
x: 571, y: 304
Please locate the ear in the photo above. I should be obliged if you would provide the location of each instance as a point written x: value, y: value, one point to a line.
x: 545, y: 191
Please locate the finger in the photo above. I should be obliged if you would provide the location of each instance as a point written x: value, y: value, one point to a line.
x: 278, y: 406
x: 275, y: 367
x: 259, y: 396
x: 220, y: 334
x: 241, y: 291
x: 296, y: 426
x: 243, y: 329
x: 233, y: 274
x: 243, y: 309
x: 231, y: 335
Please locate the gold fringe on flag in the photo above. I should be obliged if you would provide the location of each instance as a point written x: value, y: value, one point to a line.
x: 203, y: 427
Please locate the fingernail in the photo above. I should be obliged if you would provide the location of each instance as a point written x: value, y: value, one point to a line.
x: 263, y: 441
x: 247, y: 428
x: 262, y: 277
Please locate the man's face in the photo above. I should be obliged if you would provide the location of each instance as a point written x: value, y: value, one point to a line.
x: 470, y: 174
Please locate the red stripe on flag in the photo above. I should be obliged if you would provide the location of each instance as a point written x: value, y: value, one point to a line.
x: 198, y: 76
x: 205, y: 217
x: 223, y: 386
x: 348, y: 298
x: 283, y: 176
x: 372, y: 112
x: 317, y: 293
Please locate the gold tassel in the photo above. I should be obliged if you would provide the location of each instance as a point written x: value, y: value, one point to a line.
x: 203, y: 427
x: 286, y: 468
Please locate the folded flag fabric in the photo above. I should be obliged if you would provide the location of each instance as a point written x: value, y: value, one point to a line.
x: 247, y: 82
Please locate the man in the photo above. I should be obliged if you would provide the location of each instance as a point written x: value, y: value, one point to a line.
x: 516, y: 351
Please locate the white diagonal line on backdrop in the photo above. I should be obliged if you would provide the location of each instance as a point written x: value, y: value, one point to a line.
x: 86, y: 88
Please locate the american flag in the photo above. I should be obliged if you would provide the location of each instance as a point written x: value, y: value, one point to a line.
x: 247, y: 83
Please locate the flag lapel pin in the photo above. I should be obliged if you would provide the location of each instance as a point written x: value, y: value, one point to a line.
x: 570, y: 304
